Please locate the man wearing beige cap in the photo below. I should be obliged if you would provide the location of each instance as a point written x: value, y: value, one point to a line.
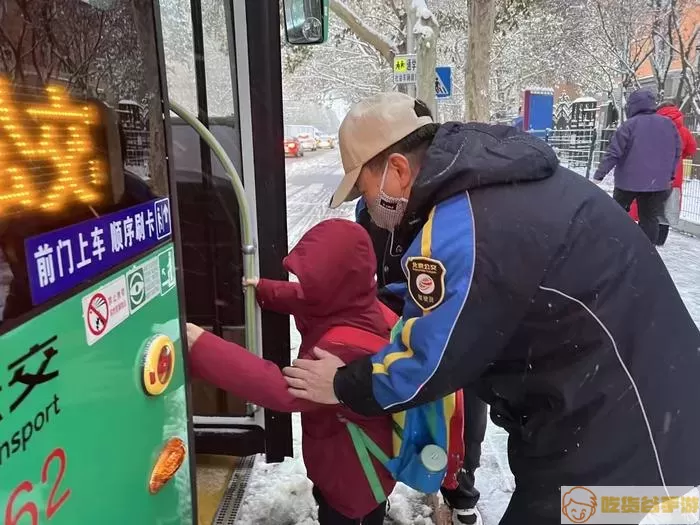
x: 530, y: 285
x: 391, y: 284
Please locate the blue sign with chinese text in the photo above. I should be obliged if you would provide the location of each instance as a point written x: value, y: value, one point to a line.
x: 62, y: 259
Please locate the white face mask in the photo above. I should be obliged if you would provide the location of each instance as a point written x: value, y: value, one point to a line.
x: 387, y: 211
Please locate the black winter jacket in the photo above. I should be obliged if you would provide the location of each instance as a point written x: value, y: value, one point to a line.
x: 540, y: 293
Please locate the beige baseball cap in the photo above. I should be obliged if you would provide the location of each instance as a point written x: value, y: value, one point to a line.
x: 370, y: 127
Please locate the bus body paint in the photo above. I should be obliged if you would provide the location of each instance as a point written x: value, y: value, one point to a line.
x: 76, y: 424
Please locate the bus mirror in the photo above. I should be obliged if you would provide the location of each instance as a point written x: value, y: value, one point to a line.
x: 306, y: 21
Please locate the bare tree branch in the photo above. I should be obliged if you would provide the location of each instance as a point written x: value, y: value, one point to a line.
x: 363, y: 32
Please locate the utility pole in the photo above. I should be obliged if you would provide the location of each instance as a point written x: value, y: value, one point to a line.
x: 410, y: 39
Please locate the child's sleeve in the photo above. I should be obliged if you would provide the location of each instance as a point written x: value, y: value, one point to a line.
x: 283, y: 297
x: 232, y: 368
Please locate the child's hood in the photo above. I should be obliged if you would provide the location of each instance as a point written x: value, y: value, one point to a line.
x: 335, y: 264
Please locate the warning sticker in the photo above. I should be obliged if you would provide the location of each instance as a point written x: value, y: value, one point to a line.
x: 143, y: 283
x: 167, y: 270
x: 104, y: 309
x: 97, y: 314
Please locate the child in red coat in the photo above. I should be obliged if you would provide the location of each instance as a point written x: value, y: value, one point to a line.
x: 335, y: 264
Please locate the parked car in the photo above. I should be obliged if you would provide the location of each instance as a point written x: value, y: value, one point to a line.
x: 308, y: 142
x: 326, y: 142
x: 293, y: 148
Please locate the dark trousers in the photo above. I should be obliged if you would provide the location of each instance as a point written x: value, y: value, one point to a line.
x: 475, y: 417
x: 327, y: 515
x: 651, y: 205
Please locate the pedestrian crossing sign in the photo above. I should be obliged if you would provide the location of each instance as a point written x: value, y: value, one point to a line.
x: 443, y: 82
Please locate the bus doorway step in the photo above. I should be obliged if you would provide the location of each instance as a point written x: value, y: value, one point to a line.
x: 232, y: 497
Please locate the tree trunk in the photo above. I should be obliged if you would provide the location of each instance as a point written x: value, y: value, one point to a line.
x: 426, y: 59
x: 482, y: 15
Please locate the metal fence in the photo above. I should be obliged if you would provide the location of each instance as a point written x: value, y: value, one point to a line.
x: 582, y: 150
x: 136, y: 146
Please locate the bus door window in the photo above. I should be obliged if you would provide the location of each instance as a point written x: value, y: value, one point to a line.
x: 209, y: 226
x: 76, y: 133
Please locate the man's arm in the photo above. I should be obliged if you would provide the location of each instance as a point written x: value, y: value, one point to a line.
x: 616, y: 151
x: 454, y: 326
x: 679, y: 151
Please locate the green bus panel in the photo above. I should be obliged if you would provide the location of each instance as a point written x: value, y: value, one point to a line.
x: 79, y: 435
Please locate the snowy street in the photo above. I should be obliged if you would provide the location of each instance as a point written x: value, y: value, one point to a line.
x: 311, y: 181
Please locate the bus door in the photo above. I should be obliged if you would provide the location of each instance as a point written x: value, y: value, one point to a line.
x: 222, y: 63
x: 94, y: 423
x: 223, y: 67
x: 201, y: 75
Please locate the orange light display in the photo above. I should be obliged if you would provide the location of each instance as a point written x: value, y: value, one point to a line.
x: 51, y: 150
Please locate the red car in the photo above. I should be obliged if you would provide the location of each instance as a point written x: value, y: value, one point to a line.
x: 292, y: 148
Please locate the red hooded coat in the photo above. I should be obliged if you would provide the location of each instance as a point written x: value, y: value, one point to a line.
x: 688, y: 144
x: 335, y: 264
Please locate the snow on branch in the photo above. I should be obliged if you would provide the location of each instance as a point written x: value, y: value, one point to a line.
x: 425, y: 20
x: 386, y: 48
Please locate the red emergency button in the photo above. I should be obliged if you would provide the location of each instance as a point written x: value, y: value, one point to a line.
x: 158, y: 365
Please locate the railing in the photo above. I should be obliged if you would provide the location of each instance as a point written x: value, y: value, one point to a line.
x: 582, y: 150
x: 135, y: 147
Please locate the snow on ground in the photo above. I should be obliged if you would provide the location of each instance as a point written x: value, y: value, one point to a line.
x: 681, y: 252
x: 280, y: 494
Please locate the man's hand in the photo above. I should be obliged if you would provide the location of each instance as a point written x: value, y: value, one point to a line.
x: 193, y: 333
x: 313, y: 380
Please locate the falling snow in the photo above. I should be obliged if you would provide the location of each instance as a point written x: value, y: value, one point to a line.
x: 280, y: 494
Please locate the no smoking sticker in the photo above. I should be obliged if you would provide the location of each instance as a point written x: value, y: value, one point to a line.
x: 97, y: 314
x: 104, y: 309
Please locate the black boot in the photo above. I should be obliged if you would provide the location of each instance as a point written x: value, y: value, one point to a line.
x: 663, y: 234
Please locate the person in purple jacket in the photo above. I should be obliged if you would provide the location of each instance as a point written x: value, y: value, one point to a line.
x: 644, y: 152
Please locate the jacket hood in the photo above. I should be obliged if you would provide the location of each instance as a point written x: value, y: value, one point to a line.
x: 463, y: 157
x: 641, y: 101
x: 673, y: 113
x: 335, y: 264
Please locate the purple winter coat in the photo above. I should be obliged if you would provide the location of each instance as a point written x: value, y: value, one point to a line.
x: 644, y: 150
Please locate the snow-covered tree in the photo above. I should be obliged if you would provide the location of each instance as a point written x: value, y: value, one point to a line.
x: 176, y: 23
x: 673, y: 47
x: 482, y: 17
x: 424, y: 31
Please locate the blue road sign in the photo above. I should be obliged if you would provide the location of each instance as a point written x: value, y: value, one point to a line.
x: 443, y: 82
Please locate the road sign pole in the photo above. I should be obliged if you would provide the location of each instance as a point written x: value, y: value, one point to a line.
x: 410, y: 40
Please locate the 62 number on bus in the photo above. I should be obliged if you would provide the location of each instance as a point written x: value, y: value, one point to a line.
x: 55, y: 502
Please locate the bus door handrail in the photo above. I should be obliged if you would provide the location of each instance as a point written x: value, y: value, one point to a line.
x: 249, y: 247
